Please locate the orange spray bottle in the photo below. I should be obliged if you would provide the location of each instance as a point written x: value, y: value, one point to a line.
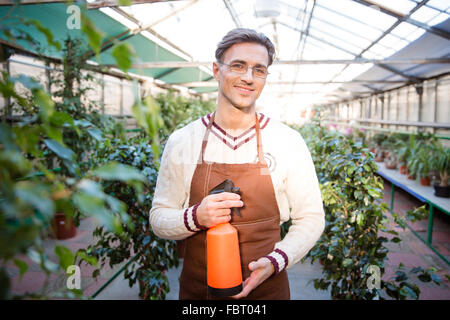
x: 224, y: 273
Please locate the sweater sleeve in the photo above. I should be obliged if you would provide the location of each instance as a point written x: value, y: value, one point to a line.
x: 168, y: 218
x: 305, y: 201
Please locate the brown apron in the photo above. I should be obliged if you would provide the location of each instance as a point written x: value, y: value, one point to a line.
x: 258, y: 227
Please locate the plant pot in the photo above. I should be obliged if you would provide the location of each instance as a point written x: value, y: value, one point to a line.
x: 379, y: 159
x: 443, y: 192
x: 403, y: 169
x: 411, y: 177
x: 390, y: 165
x: 425, y: 181
x: 63, y: 227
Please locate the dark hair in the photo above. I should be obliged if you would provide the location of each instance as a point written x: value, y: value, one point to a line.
x: 242, y: 35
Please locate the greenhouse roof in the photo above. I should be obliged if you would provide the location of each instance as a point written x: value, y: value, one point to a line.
x: 326, y: 50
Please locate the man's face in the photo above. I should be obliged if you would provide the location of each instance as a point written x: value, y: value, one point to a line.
x: 241, y: 90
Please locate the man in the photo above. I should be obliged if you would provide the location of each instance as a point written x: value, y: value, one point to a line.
x: 266, y: 159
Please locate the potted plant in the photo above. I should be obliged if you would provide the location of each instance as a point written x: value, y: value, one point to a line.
x: 424, y: 164
x: 412, y: 163
x: 378, y: 140
x: 389, y: 145
x: 403, y: 150
x: 441, y: 162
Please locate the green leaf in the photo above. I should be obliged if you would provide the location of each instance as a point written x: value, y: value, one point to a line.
x: 436, y: 278
x: 35, y: 195
x: 23, y: 267
x: 47, y: 33
x: 409, y: 292
x: 396, y: 240
x: 65, y: 256
x: 91, y: 188
x: 60, y: 150
x: 45, y: 103
x: 87, y: 258
x: 96, y: 134
x: 94, y: 35
x: 374, y: 193
x: 93, y: 206
x: 123, y: 54
x: 347, y: 262
x: 117, y: 171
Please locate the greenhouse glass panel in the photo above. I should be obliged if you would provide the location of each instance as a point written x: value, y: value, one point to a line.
x: 404, y: 29
x: 443, y: 5
x: 440, y: 18
x: 424, y: 14
x: 360, y: 12
x: 354, y: 38
x: 350, y: 24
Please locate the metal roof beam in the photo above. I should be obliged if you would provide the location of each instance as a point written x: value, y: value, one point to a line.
x: 91, y: 5
x: 439, y: 32
x: 189, y: 64
x: 398, y: 72
x: 165, y: 73
x: 233, y: 13
x: 207, y: 84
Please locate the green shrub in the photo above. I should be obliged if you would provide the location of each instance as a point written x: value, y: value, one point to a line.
x: 351, y: 246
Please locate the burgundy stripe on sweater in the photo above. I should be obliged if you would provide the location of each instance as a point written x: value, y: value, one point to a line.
x: 223, y: 134
x: 274, y: 262
x: 284, y: 255
x: 194, y: 217
x: 186, y: 222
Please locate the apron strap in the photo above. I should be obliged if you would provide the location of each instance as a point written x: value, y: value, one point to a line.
x: 259, y: 150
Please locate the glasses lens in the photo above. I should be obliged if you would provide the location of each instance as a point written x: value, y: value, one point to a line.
x: 260, y: 72
x: 238, y: 67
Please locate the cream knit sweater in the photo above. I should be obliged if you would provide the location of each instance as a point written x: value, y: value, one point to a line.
x: 291, y: 168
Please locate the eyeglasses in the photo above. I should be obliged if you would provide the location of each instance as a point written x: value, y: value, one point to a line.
x: 242, y: 68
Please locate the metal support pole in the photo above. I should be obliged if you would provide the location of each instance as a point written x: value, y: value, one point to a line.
x: 121, y: 97
x: 391, y: 206
x: 8, y: 112
x: 103, y: 94
x: 430, y: 223
x: 436, y: 83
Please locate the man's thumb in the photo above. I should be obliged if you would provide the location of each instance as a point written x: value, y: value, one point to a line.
x: 256, y: 264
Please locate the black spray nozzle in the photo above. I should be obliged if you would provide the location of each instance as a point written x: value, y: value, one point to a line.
x: 227, y: 186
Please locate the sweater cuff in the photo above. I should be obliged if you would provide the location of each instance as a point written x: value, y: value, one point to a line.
x: 190, y: 219
x: 279, y: 260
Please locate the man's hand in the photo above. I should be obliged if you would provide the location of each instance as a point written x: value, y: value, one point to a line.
x: 215, y: 208
x: 261, y: 270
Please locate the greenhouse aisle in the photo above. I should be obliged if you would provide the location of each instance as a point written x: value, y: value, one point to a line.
x: 410, y: 251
